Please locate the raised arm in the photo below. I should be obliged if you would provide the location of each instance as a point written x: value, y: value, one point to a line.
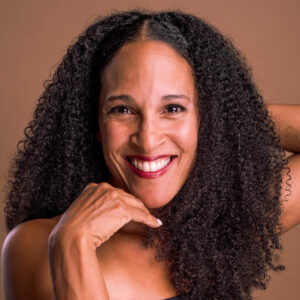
x: 287, y: 122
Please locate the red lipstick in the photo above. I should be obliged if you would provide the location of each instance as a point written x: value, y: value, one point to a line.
x: 149, y: 175
x: 147, y: 158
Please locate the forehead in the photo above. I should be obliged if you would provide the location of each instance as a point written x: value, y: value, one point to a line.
x: 147, y: 61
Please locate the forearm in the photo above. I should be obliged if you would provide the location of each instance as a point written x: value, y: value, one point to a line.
x: 287, y: 123
x: 75, y: 272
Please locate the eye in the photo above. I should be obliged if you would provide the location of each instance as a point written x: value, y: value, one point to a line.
x: 120, y: 109
x: 174, y: 108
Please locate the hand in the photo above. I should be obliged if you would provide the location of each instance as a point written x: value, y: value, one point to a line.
x: 99, y: 212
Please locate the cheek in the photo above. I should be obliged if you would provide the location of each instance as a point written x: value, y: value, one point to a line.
x: 113, y: 135
x: 186, y: 133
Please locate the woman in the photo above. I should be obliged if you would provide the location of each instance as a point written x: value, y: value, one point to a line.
x: 151, y: 169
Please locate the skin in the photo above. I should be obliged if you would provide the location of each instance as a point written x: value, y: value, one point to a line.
x: 287, y: 124
x: 103, y: 223
x: 148, y: 124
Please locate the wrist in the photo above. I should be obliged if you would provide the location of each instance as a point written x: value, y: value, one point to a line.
x: 75, y: 270
x: 62, y: 240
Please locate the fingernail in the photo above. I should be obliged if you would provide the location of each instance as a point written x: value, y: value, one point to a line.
x: 159, y: 222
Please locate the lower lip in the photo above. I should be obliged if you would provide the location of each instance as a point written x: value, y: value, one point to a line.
x: 150, y: 174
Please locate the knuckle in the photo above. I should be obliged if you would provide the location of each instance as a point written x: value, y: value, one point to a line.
x: 141, y: 205
x: 88, y: 186
x: 146, y: 213
x: 103, y: 185
x: 118, y: 201
x: 137, y: 202
x: 125, y: 219
x: 128, y: 216
x: 140, y: 213
x: 116, y: 205
x: 119, y: 204
x: 123, y: 209
x: 114, y: 194
x: 92, y: 184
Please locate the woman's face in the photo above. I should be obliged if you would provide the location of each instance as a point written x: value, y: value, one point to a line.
x: 148, y: 121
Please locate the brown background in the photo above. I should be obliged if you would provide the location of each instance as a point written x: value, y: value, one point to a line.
x: 35, y: 35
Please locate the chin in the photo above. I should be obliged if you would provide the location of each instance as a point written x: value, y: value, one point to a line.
x: 151, y: 200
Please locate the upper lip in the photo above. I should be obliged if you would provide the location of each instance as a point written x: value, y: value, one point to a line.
x: 147, y: 158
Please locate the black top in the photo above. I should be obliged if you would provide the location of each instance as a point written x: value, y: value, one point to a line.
x: 174, y: 298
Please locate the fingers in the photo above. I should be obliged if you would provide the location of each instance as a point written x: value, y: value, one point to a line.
x: 127, y: 203
x: 100, y: 211
x: 145, y: 217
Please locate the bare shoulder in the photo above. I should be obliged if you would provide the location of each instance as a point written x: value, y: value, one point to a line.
x: 25, y: 266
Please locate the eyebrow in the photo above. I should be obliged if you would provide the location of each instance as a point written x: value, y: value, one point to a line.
x: 131, y: 99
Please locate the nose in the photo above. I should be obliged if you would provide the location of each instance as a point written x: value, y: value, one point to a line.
x: 148, y: 135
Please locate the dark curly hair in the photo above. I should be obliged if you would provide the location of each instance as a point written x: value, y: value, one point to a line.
x: 221, y: 232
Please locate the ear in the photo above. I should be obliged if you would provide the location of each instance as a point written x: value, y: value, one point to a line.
x: 98, y: 135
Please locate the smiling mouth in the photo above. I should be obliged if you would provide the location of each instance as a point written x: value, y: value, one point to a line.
x: 149, y: 167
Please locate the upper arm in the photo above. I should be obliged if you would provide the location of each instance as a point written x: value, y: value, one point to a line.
x: 291, y: 202
x: 23, y: 257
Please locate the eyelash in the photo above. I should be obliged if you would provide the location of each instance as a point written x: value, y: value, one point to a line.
x: 177, y: 106
x: 117, y: 109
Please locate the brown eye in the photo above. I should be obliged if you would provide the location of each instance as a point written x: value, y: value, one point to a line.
x: 120, y: 109
x: 174, y: 108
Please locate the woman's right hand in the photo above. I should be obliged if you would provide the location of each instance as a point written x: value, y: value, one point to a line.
x: 100, y: 211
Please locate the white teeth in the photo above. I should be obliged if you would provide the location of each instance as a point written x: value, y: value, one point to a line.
x: 146, y: 166
x: 152, y: 166
x: 140, y: 166
x: 159, y: 164
x: 135, y: 163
